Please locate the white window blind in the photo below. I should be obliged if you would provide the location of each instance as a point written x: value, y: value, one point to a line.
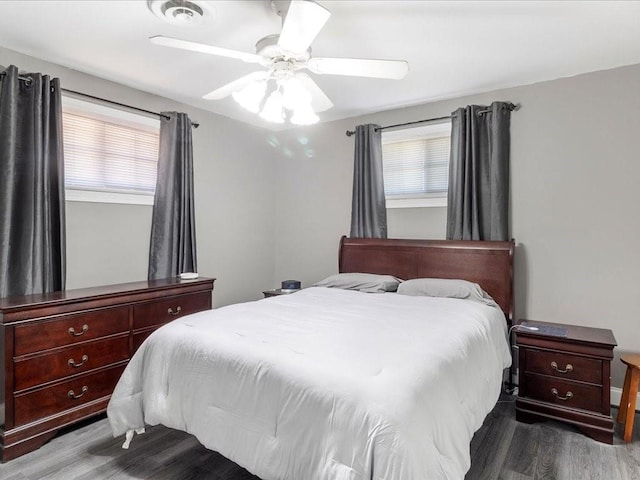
x: 108, y: 151
x: 416, y: 163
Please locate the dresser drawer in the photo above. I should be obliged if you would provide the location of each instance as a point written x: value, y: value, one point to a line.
x: 583, y: 395
x: 70, y: 361
x: 66, y: 395
x: 563, y: 365
x: 161, y: 312
x: 140, y: 337
x: 70, y: 329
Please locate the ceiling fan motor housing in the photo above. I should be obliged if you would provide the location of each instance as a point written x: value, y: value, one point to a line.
x: 268, y: 47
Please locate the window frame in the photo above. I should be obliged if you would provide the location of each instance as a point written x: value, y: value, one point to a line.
x: 124, y: 118
x: 433, y: 130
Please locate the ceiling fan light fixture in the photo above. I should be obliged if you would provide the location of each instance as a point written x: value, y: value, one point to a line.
x: 294, y: 94
x: 184, y: 13
x: 304, y: 115
x: 250, y: 97
x: 273, y: 110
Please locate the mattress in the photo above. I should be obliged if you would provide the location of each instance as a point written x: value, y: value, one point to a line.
x: 324, y: 384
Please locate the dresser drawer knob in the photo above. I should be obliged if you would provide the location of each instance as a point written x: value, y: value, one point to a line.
x: 72, y: 394
x: 72, y: 362
x: 72, y: 331
x: 566, y: 397
x: 567, y: 369
x: 177, y: 311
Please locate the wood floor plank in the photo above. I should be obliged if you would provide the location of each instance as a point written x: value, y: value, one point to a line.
x: 522, y: 455
x: 16, y: 476
x: 510, y: 475
x: 628, y: 462
x: 548, y: 458
x: 582, y: 453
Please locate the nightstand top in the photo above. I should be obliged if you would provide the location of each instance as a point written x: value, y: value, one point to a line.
x: 279, y: 291
x: 575, y: 333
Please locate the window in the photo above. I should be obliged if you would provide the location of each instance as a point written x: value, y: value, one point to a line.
x: 416, y: 166
x: 110, y: 155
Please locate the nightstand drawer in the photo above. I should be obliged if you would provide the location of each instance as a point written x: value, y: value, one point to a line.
x: 70, y: 361
x: 161, y: 312
x: 70, y: 329
x: 562, y: 392
x: 66, y: 395
x: 562, y: 365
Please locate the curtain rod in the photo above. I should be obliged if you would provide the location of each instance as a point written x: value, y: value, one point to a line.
x: 509, y: 105
x: 130, y: 107
x: 349, y: 133
x: 100, y: 99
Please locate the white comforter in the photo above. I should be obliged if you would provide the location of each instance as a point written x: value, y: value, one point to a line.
x: 324, y: 384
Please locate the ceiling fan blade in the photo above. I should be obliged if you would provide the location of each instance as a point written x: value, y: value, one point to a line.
x: 236, y: 85
x: 360, y: 67
x: 319, y: 101
x: 202, y: 48
x: 304, y: 20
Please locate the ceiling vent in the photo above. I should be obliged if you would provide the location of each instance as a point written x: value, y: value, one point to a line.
x: 183, y: 13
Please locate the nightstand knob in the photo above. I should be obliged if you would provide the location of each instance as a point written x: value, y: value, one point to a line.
x: 566, y: 397
x: 567, y: 369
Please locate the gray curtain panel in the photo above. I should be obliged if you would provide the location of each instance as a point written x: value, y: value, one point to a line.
x: 368, y: 206
x: 478, y: 197
x: 173, y: 226
x: 32, y: 213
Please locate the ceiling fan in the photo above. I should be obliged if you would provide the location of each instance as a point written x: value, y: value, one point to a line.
x: 283, y: 57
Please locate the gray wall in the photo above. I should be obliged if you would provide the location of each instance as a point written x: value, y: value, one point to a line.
x: 574, y: 189
x: 272, y: 206
x: 234, y: 177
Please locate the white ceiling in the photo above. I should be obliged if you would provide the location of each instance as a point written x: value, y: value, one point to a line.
x: 453, y: 47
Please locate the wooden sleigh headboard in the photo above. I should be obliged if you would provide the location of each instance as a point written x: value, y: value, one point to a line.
x: 487, y: 263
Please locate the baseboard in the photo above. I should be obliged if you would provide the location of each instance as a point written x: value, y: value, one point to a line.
x: 616, y: 395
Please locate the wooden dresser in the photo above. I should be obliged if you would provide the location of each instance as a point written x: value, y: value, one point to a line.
x: 566, y: 378
x: 65, y: 351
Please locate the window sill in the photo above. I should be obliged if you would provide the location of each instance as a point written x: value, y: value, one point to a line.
x: 108, y: 197
x: 416, y: 202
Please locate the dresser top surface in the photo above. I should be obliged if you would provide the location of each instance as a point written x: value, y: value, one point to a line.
x: 575, y: 333
x: 69, y: 296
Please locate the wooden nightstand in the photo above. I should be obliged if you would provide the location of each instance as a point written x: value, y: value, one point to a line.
x: 566, y: 378
x: 277, y: 291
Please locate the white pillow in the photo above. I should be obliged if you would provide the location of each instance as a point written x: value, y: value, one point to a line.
x: 363, y: 282
x: 447, y: 288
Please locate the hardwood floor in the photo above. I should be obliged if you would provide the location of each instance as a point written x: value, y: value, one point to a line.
x: 502, y: 449
x: 508, y: 450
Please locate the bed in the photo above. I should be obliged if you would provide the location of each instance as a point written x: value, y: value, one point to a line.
x: 335, y: 384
